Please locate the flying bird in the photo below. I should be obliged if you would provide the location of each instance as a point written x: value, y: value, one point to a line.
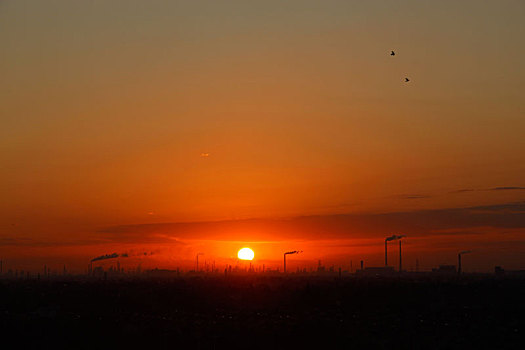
x: 407, y: 80
x: 392, y: 53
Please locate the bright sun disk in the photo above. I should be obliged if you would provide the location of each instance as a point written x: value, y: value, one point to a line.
x: 245, y: 254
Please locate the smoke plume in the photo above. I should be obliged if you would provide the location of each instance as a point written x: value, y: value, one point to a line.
x: 123, y: 255
x: 394, y: 237
x: 293, y: 252
x: 104, y: 257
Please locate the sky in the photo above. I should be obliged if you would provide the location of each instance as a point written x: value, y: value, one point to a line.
x: 177, y: 127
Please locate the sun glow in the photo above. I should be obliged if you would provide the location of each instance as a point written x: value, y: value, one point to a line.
x: 245, y: 254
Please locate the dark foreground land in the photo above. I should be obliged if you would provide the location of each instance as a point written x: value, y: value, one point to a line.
x: 248, y: 312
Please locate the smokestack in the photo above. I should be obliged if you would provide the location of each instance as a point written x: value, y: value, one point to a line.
x: 459, y: 259
x: 400, y: 261
x: 393, y: 238
x: 386, y: 254
x: 197, y: 259
x: 287, y: 253
x: 361, y: 265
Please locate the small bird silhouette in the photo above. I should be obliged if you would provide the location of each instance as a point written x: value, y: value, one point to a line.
x: 392, y: 53
x: 407, y: 80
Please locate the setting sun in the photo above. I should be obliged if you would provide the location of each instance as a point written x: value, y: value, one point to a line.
x: 245, y: 254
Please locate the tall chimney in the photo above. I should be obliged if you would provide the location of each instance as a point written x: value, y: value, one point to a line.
x: 286, y: 253
x: 459, y: 259
x: 386, y: 255
x: 197, y: 261
x: 361, y: 265
x: 400, y: 261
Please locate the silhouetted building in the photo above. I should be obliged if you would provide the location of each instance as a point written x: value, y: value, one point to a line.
x: 377, y: 271
x: 446, y: 269
x: 98, y: 271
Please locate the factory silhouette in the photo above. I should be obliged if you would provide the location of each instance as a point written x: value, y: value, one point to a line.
x: 109, y: 266
x: 216, y: 306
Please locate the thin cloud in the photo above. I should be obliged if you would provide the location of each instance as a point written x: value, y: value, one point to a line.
x: 412, y: 196
x: 318, y: 227
x: 463, y: 190
x: 500, y: 188
x: 507, y: 188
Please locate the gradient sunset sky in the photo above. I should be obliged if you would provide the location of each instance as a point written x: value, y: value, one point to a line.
x: 176, y: 127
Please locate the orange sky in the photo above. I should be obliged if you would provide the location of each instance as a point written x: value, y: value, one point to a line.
x: 106, y: 108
